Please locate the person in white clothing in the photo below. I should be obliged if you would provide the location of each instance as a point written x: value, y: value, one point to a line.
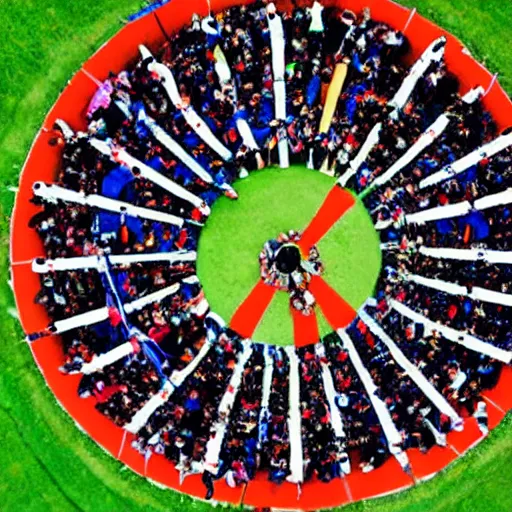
x: 317, y: 24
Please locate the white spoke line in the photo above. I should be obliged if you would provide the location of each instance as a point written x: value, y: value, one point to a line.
x: 424, y: 140
x: 54, y: 193
x: 467, y: 340
x: 464, y: 163
x: 393, y: 437
x: 193, y: 119
x: 416, y: 375
x: 295, y: 419
x: 146, y: 172
x: 41, y: 266
x: 220, y: 427
x: 434, y: 53
x: 477, y: 293
x: 101, y: 314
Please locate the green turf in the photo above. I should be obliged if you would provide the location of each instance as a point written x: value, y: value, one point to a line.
x: 271, y: 202
x: 351, y: 252
x: 276, y: 326
x: 46, y: 464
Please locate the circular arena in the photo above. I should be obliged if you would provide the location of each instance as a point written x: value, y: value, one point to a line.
x: 260, y: 252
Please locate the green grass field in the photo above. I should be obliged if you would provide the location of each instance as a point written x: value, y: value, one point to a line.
x: 272, y: 202
x: 46, y: 463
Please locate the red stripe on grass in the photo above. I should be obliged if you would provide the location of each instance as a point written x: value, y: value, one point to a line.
x: 337, y: 202
x: 305, y: 328
x: 249, y: 313
x: 338, y: 312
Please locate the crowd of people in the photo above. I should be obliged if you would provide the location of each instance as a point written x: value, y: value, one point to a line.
x: 283, y: 266
x: 177, y: 334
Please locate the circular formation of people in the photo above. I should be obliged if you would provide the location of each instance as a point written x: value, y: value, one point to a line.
x: 225, y: 97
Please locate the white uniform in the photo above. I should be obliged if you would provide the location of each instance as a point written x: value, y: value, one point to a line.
x: 317, y: 25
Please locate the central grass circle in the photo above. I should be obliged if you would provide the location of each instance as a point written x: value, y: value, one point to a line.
x: 274, y: 201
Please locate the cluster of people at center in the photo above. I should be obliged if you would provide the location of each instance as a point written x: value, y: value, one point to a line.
x: 283, y: 266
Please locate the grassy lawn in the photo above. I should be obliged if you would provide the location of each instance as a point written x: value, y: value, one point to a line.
x: 271, y: 202
x: 46, y: 463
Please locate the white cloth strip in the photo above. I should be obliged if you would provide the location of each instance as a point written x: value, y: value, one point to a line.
x: 440, y: 212
x: 224, y: 73
x: 330, y: 392
x: 146, y: 172
x: 141, y: 417
x: 91, y: 317
x: 280, y: 111
x: 486, y: 255
x: 421, y: 381
x: 345, y: 177
x: 152, y: 297
x: 247, y: 136
x: 284, y: 154
x: 296, y: 475
x: 107, y: 358
x: 393, y: 437
x: 277, y: 44
x: 485, y: 295
x: 458, y: 209
x: 190, y: 115
x: 490, y: 201
x: 434, y: 53
x: 477, y: 293
x: 437, y: 284
x: 54, y: 193
x: 462, y: 338
x: 177, y: 378
x: 423, y: 141
x: 205, y: 133
x: 370, y: 142
x: 164, y: 72
x: 88, y: 262
x: 459, y: 166
x: 268, y: 372
x: 220, y: 427
x: 267, y: 378
x: 169, y: 143
x: 101, y: 314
